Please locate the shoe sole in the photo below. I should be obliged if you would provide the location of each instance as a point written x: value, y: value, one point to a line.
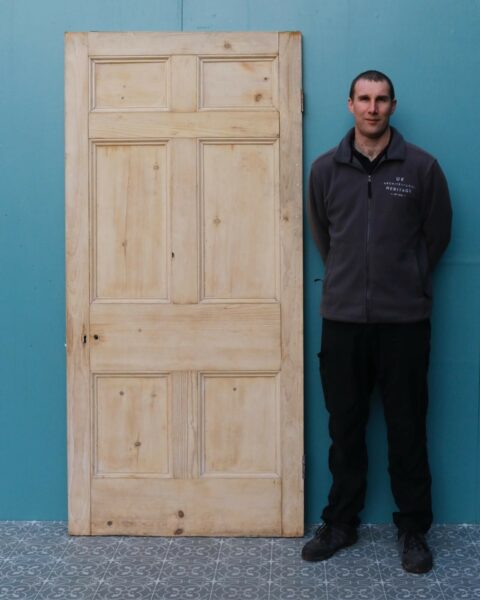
x: 313, y: 558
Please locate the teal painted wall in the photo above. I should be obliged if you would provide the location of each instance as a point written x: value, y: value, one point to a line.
x: 431, y: 50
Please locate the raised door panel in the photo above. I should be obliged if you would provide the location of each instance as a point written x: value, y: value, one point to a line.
x: 239, y: 198
x: 240, y: 425
x: 130, y: 220
x: 131, y: 426
x: 133, y: 84
x: 242, y: 83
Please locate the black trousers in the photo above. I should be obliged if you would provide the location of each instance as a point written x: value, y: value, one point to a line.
x: 353, y: 358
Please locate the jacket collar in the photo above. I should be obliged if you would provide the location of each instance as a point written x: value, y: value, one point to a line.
x: 396, y: 150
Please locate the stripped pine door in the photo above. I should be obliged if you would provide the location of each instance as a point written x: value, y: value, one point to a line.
x: 184, y: 283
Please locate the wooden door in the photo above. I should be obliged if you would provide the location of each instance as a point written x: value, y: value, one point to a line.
x: 184, y: 283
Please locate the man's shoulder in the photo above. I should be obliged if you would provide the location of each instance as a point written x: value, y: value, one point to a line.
x: 339, y: 153
x: 325, y: 160
x: 420, y: 156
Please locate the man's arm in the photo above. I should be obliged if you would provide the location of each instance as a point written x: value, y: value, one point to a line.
x: 438, y: 220
x: 318, y: 218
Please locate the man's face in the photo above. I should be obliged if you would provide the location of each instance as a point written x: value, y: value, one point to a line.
x: 371, y: 107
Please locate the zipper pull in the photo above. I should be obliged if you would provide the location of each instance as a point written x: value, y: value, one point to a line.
x: 369, y: 186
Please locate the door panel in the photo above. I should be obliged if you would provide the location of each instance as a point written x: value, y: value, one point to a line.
x: 239, y: 425
x: 134, y: 84
x: 252, y: 83
x: 184, y: 287
x: 130, y: 207
x: 131, y: 425
x: 239, y: 219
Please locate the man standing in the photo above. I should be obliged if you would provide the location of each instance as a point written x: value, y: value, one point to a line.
x: 380, y: 214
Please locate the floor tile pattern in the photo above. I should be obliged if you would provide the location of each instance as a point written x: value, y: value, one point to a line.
x: 40, y: 561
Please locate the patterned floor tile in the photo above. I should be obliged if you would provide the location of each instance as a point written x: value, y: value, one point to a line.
x: 140, y: 547
x: 6, y: 548
x: 36, y: 566
x: 296, y: 589
x: 351, y: 579
x: 125, y: 588
x: 300, y: 570
x: 416, y: 588
x: 240, y: 589
x: 92, y: 547
x: 137, y: 566
x: 350, y: 553
x: 444, y: 535
x: 473, y: 532
x: 14, y: 529
x: 396, y: 573
x: 243, y: 570
x: 461, y: 590
x: 444, y: 555
x: 74, y: 566
x: 193, y: 549
x: 353, y: 567
x: 191, y: 570
x: 385, y: 540
x: 288, y: 550
x: 246, y: 549
x: 50, y: 529
x: 32, y: 548
x: 168, y: 590
x: 68, y: 588
x: 462, y: 568
x: 353, y: 591
x: 41, y: 561
x: 19, y: 588
x: 450, y: 543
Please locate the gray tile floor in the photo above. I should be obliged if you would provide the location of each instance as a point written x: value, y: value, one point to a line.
x: 39, y: 561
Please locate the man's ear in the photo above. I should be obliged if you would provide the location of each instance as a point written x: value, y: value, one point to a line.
x: 350, y: 105
x: 394, y: 106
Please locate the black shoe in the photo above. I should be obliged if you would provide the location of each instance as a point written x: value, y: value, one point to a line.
x: 416, y: 555
x: 327, y: 540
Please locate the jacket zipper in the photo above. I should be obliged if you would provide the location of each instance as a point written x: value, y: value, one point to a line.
x: 367, y: 282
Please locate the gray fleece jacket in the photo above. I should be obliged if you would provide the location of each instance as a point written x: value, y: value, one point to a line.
x: 380, y: 235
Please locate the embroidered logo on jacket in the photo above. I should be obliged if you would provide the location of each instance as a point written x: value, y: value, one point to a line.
x: 399, y: 187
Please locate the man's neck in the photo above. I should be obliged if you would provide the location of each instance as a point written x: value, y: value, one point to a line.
x: 371, y: 147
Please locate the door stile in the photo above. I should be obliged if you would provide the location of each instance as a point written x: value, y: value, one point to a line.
x: 77, y: 281
x: 291, y: 281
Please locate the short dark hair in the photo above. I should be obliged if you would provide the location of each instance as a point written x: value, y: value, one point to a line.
x: 373, y: 75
